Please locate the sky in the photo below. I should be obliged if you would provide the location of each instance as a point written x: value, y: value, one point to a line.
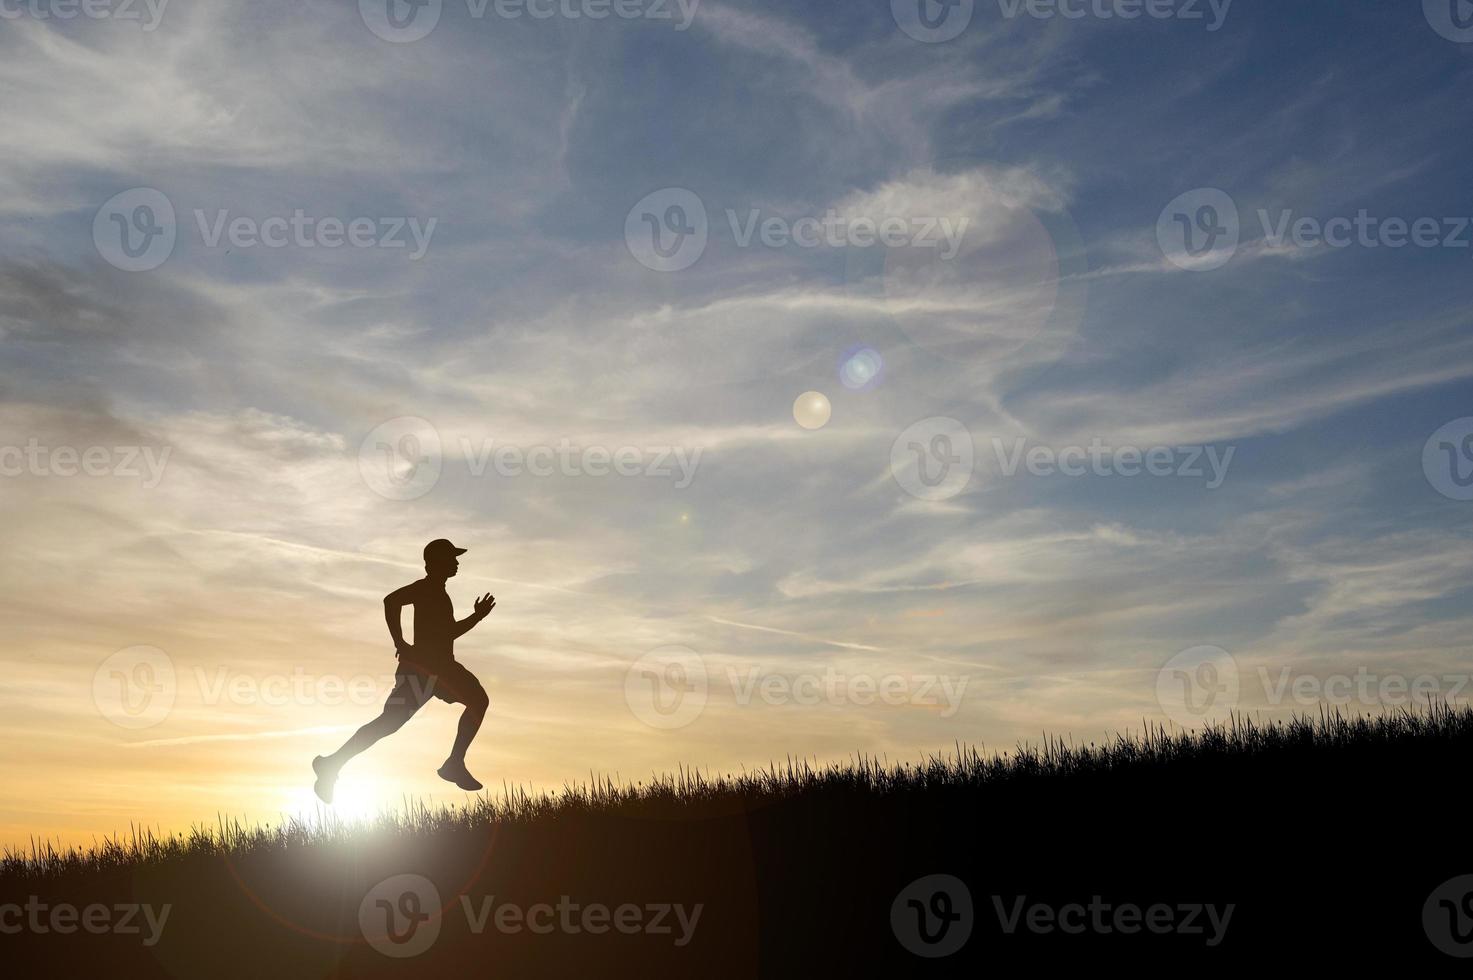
x: 804, y: 379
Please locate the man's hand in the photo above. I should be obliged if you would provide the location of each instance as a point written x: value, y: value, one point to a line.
x: 485, y: 604
x: 404, y: 651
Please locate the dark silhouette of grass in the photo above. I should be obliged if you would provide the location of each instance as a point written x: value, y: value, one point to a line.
x: 690, y: 793
x: 1305, y: 826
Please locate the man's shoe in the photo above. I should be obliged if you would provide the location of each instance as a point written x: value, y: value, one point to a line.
x: 457, y: 773
x: 327, y: 776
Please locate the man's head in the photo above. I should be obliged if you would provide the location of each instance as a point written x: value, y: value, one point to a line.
x: 441, y: 558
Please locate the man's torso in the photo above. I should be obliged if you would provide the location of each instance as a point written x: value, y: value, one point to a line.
x: 434, y: 623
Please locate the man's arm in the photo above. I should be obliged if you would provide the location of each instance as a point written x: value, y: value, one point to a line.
x: 484, y: 605
x: 393, y: 603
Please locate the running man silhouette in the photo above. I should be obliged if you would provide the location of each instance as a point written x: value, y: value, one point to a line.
x: 426, y: 669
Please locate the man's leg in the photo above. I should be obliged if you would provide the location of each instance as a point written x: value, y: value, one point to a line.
x: 406, y: 698
x: 462, y: 685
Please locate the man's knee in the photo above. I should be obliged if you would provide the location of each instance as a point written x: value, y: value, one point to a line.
x: 476, y: 699
x: 393, y: 718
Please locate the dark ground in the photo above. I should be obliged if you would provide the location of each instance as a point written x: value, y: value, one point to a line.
x: 1327, y: 840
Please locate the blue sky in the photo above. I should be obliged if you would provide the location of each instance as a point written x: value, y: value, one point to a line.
x: 1056, y: 144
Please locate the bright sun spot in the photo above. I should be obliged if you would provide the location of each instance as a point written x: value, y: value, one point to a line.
x: 352, y: 799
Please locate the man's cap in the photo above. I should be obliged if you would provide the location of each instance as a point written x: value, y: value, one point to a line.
x: 441, y: 548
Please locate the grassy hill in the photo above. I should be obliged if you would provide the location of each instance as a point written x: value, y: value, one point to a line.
x: 1334, y: 836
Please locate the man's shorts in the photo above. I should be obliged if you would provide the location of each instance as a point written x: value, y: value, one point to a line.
x: 416, y: 683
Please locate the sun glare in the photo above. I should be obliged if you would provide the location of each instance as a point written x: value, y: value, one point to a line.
x: 353, y: 800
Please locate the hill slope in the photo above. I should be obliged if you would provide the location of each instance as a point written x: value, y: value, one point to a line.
x: 1329, y: 835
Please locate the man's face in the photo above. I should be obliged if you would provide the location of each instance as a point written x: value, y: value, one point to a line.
x: 446, y: 566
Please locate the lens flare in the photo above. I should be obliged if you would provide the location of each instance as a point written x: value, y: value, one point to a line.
x: 862, y: 367
x: 811, y: 410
